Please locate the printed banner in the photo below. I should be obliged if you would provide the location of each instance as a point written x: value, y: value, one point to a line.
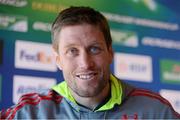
x: 29, y: 84
x: 35, y: 56
x: 133, y: 67
x: 170, y: 71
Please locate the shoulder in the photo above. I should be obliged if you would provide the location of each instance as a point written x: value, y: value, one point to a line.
x: 151, y: 99
x: 149, y: 94
x: 130, y: 91
x: 30, y: 101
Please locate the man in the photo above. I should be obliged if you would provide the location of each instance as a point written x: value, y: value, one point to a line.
x: 83, y: 50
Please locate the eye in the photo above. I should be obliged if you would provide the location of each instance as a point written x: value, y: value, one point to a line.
x: 95, y: 50
x: 72, y: 52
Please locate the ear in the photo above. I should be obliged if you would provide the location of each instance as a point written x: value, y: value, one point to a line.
x: 111, y: 54
x: 57, y: 59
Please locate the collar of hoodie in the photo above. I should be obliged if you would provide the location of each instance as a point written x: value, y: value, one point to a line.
x: 116, y: 94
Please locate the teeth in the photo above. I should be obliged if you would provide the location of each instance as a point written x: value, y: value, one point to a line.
x: 86, y: 76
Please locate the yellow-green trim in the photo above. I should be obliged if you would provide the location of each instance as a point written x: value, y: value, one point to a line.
x: 116, y: 93
x: 63, y: 90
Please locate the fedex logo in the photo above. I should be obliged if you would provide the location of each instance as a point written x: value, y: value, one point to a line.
x: 133, y: 67
x: 34, y: 55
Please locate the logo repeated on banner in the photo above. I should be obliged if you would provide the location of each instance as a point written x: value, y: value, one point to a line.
x: 133, y: 67
x: 170, y: 71
x: 27, y: 84
x: 173, y: 97
x: 16, y: 3
x: 127, y: 38
x: 34, y: 55
x: 47, y: 6
x: 42, y: 26
x: 13, y: 23
x: 161, y: 43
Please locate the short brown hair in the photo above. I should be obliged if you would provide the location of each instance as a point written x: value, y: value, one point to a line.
x: 80, y: 15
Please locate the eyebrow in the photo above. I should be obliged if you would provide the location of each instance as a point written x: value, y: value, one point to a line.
x: 70, y: 45
x: 95, y: 42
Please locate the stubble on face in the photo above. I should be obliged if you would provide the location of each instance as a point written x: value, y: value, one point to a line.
x: 90, y: 89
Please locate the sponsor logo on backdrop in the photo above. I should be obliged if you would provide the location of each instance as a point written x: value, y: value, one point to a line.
x: 170, y: 71
x: 161, y: 43
x: 163, y: 25
x: 13, y: 23
x: 127, y: 38
x: 133, y: 67
x: 16, y: 3
x: 173, y: 97
x: 42, y: 26
x: 28, y: 84
x: 47, y: 6
x: 151, y: 4
x: 34, y: 55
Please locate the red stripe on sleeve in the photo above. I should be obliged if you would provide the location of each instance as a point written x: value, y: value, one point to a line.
x: 30, y: 99
x: 143, y: 92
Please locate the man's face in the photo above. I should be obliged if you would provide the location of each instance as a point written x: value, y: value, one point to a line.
x: 84, y: 59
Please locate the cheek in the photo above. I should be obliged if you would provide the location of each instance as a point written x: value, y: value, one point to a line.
x: 102, y: 63
x: 63, y: 62
x: 68, y: 66
x: 104, y: 60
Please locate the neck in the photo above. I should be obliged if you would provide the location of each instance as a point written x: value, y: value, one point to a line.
x: 92, y: 102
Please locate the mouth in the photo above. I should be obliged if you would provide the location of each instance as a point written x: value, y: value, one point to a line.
x: 86, y: 76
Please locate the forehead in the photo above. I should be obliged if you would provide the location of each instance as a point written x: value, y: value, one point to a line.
x: 80, y: 33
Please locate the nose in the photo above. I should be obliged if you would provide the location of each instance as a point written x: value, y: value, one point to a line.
x: 86, y: 61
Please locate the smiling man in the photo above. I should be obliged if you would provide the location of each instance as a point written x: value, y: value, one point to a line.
x: 84, y: 59
x: 83, y: 51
